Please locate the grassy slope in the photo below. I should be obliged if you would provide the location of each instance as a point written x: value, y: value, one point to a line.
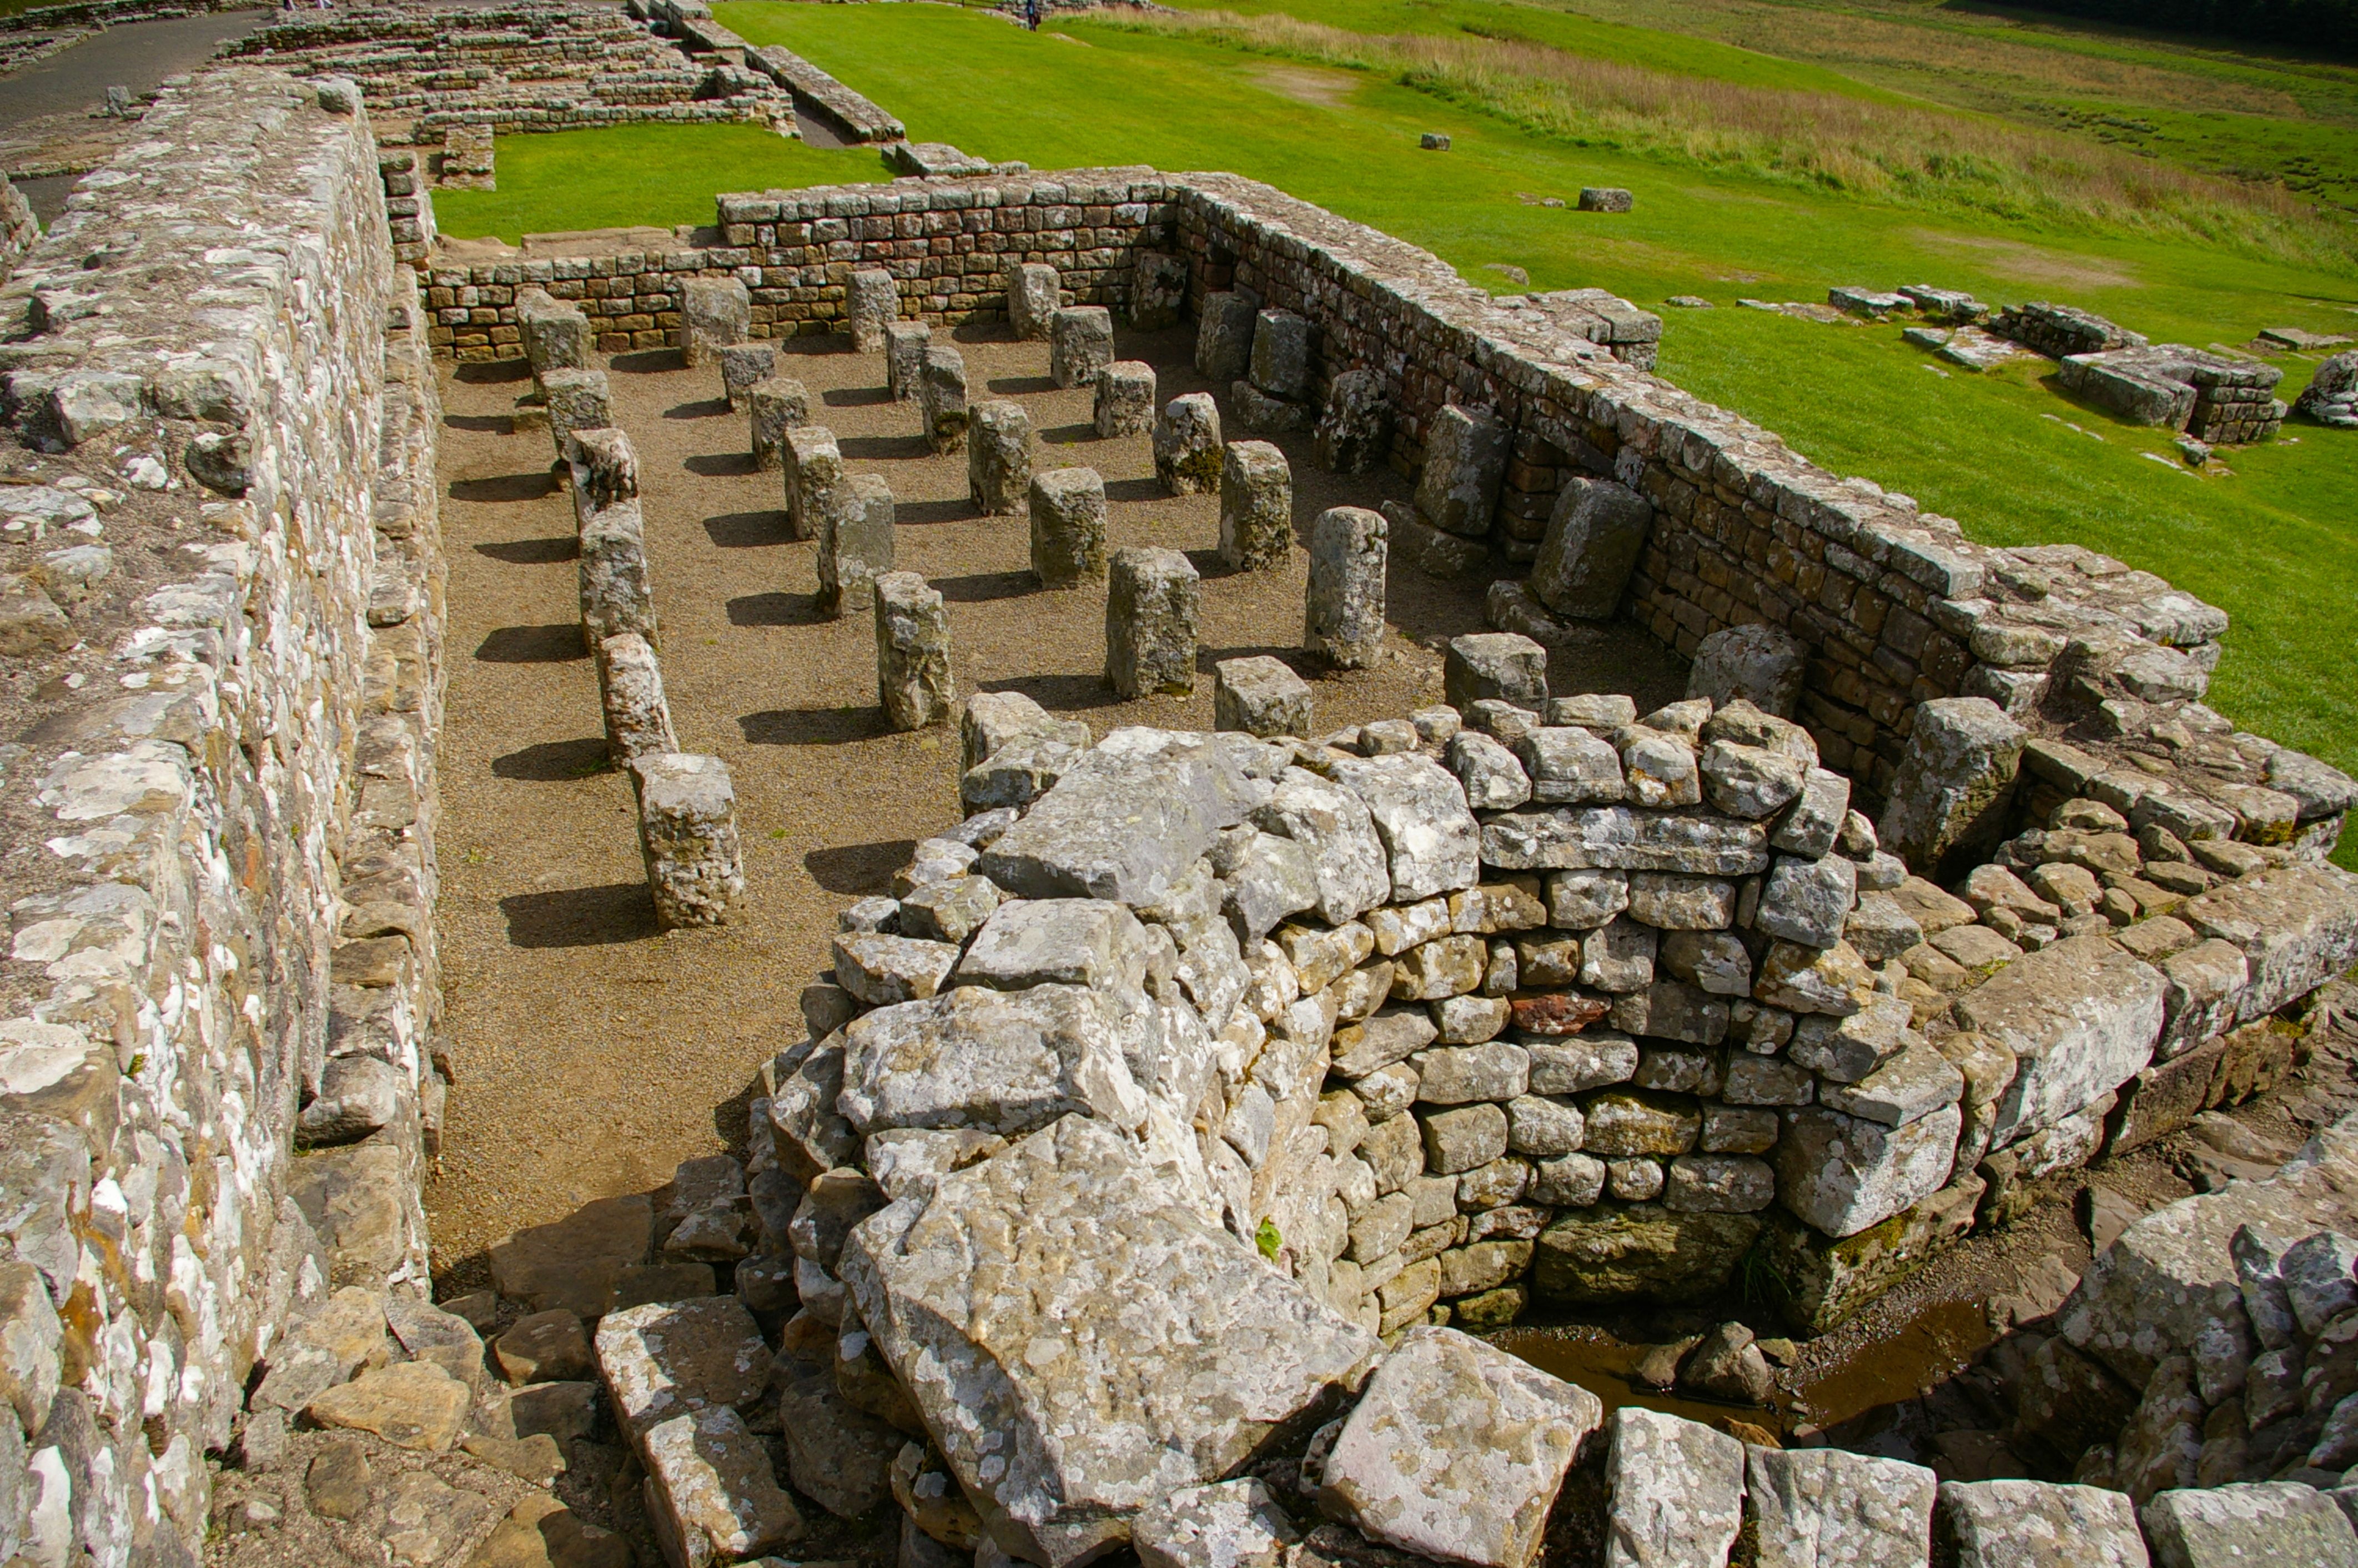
x: 2263, y: 544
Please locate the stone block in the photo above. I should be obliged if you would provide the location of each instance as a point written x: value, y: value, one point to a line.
x: 713, y: 312
x: 1814, y: 1505
x: 2036, y: 1524
x: 629, y: 684
x: 1080, y: 344
x: 742, y: 366
x: 2081, y: 1018
x: 998, y: 457
x: 1499, y: 664
x: 874, y: 303
x: 912, y: 652
x: 578, y: 400
x: 714, y: 1493
x: 1354, y: 433
x: 1948, y: 800
x: 1604, y: 198
x: 2249, y: 1522
x: 1466, y: 452
x: 617, y: 593
x: 1343, y: 617
x: 1761, y: 665
x: 1224, y: 334
x: 1158, y: 290
x: 1843, y: 1173
x: 1189, y: 451
x: 1068, y: 527
x: 1674, y: 1490
x: 813, y: 474
x: 1256, y: 506
x: 1281, y: 363
x: 1125, y: 399
x: 942, y: 397
x: 778, y: 405
x: 1592, y: 545
x: 555, y: 335
x: 906, y: 343
x: 687, y: 834
x: 855, y: 545
x: 1034, y: 298
x: 1259, y: 696
x: 1153, y: 599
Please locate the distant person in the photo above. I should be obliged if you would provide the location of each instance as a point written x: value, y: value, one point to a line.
x: 1032, y: 14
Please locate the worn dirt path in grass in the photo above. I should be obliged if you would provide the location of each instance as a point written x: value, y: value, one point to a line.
x: 594, y: 1052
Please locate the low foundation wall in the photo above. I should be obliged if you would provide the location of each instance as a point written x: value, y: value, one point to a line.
x: 222, y: 614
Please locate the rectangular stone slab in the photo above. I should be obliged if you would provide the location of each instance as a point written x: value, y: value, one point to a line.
x: 1619, y: 837
x: 2081, y: 1018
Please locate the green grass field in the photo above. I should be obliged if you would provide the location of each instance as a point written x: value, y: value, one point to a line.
x: 2272, y: 544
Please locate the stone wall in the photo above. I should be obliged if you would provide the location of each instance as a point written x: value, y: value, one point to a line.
x: 221, y: 595
x: 20, y: 230
x: 105, y: 13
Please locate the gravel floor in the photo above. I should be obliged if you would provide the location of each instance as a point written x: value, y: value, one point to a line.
x: 594, y: 1052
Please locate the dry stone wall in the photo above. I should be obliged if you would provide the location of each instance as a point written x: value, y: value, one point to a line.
x: 221, y: 620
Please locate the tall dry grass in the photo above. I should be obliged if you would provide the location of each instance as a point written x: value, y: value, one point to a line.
x: 1897, y: 153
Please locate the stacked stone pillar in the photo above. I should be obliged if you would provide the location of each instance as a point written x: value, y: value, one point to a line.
x: 942, y: 397
x: 1342, y: 615
x: 1187, y: 446
x: 714, y: 312
x: 855, y: 545
x: 1256, y: 506
x: 999, y: 457
x: 912, y: 652
x: 874, y: 303
x: 906, y: 343
x: 1080, y: 344
x: 1069, y: 522
x: 742, y: 367
x: 1125, y: 400
x: 687, y: 833
x: 778, y: 405
x: 1032, y: 298
x: 631, y: 690
x: 1152, y: 607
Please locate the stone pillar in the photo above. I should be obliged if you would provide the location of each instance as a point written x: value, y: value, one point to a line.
x: 555, y: 335
x: 1761, y: 665
x: 998, y: 457
x: 603, y: 470
x: 713, y: 313
x: 1464, y: 462
x: 1187, y: 447
x: 617, y: 594
x: 1080, y: 344
x: 1342, y: 615
x: 873, y: 303
x: 1256, y: 506
x: 814, y: 469
x: 1280, y: 355
x: 578, y: 400
x: 1224, y: 335
x: 1125, y: 405
x: 1034, y: 298
x: 1591, y: 547
x: 688, y: 831
x: 1260, y: 696
x: 742, y: 366
x: 1158, y: 291
x: 1152, y: 604
x: 912, y: 652
x: 1069, y: 520
x: 779, y: 404
x: 906, y: 343
x: 1354, y: 432
x: 942, y: 398
x: 855, y: 545
x: 1948, y: 801
x: 629, y: 686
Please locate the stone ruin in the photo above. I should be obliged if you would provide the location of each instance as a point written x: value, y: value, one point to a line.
x: 1152, y: 1148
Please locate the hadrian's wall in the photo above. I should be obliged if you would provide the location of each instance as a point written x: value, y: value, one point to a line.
x: 220, y: 604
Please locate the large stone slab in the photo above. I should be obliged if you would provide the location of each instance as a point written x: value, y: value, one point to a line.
x: 1675, y: 1492
x: 2297, y: 926
x: 2034, y: 1524
x: 717, y: 1499
x: 2230, y: 1526
x: 1825, y: 1507
x: 1419, y: 810
x: 1080, y: 1343
x: 1455, y: 1451
x: 670, y: 1358
x: 1843, y: 1173
x: 2080, y: 1016
x: 1002, y: 1062
x: 1625, y: 838
x: 1347, y: 858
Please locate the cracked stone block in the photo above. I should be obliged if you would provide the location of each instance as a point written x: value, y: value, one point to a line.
x: 912, y: 652
x: 1466, y: 452
x: 1256, y: 506
x: 777, y: 404
x: 1125, y: 399
x: 872, y: 303
x: 717, y: 1496
x: 1355, y: 431
x: 1080, y: 344
x: 998, y: 457
x: 742, y: 366
x: 855, y: 545
x: 1503, y: 665
x: 687, y: 835
x: 942, y: 397
x: 629, y: 686
x: 1034, y: 298
x: 617, y: 591
x: 1260, y: 696
x: 1153, y: 604
x: 1950, y: 796
x: 1069, y: 522
x: 1758, y: 664
x: 1344, y: 611
x: 1844, y: 1174
x: 1187, y: 446
x: 906, y: 343
x: 1158, y: 290
x: 1675, y: 1490
x: 1592, y: 545
x: 813, y: 473
x: 1280, y: 363
x: 1224, y: 334
x: 713, y: 313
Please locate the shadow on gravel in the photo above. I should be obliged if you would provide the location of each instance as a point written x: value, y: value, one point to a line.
x: 582, y: 917
x: 775, y: 610
x: 720, y: 465
x: 811, y: 726
x: 488, y: 424
x: 747, y: 530
x: 533, y: 552
x: 1069, y: 435
x: 883, y: 449
x: 1062, y: 693
x: 532, y: 645
x: 494, y: 369
x: 1017, y: 385
x: 855, y: 396
x: 955, y: 510
x: 554, y: 762
x: 708, y: 408
x: 858, y: 868
x: 1147, y: 488
x: 506, y: 487
x: 648, y: 362
x: 981, y: 588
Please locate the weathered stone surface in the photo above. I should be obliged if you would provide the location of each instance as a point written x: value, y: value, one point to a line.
x: 1675, y: 1491
x: 1618, y: 837
x: 942, y: 397
x: 1761, y: 665
x: 881, y: 969
x: 1152, y: 604
x: 1235, y: 1524
x: 906, y: 343
x: 542, y: 1347
x: 1260, y: 696
x: 1501, y: 665
x: 1954, y: 783
x: 1348, y: 861
x: 413, y: 1405
x: 1355, y: 430
x: 2226, y: 1527
x: 1256, y: 506
x: 1005, y: 1062
x: 1034, y: 298
x: 1133, y: 815
x: 812, y: 466
x: 1016, y: 1303
x: 855, y: 541
x: 775, y: 405
x: 1824, y: 1508
x: 687, y: 837
x: 838, y: 1456
x: 2080, y: 1016
x: 1466, y: 452
x: 998, y: 457
x: 1125, y: 399
x: 671, y: 1359
x: 1224, y: 334
x: 1188, y: 449
x: 742, y: 367
x: 912, y: 652
x: 2296, y: 925
x: 872, y: 302
x: 1080, y: 344
x: 1068, y: 527
x: 1420, y: 812
x: 617, y: 593
x: 1570, y: 766
x: 2034, y: 1524
x: 1280, y: 363
x: 1343, y: 614
x: 1591, y: 547
x: 1455, y: 1450
x: 713, y: 312
x: 1843, y: 1173
x: 717, y: 1501
x: 630, y: 682
x: 1642, y: 1252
